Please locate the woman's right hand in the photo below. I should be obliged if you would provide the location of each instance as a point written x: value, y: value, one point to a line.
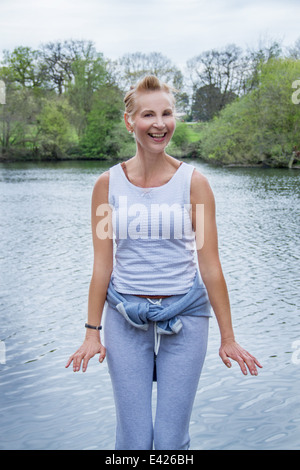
x: 90, y: 347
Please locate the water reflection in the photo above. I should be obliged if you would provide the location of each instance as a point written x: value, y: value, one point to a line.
x: 46, y: 262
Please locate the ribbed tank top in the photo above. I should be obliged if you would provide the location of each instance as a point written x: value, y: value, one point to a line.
x: 154, y: 239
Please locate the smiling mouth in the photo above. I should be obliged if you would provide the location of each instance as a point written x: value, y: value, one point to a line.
x: 158, y: 136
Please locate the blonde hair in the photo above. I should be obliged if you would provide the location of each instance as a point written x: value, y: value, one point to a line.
x: 146, y: 84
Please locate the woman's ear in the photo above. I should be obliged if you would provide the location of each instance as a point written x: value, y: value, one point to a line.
x: 128, y: 122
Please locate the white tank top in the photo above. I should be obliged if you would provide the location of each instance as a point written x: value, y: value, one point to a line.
x: 155, y: 242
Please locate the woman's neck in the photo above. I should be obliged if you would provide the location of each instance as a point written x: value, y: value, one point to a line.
x: 149, y: 163
x: 151, y: 170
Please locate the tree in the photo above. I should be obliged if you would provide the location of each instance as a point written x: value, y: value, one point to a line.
x: 132, y: 67
x: 181, y: 136
x: 261, y: 126
x: 225, y: 69
x: 58, y: 59
x: 257, y: 57
x: 54, y: 130
x: 25, y: 67
x: 89, y: 76
x: 217, y: 78
x: 294, y: 51
x: 208, y: 101
x: 103, y: 117
x: 17, y: 116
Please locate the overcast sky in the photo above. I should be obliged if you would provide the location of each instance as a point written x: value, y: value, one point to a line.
x: 179, y: 29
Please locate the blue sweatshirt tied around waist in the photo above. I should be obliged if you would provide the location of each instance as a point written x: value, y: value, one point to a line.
x: 195, y: 303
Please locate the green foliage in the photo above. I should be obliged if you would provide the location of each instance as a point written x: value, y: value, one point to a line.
x: 66, y: 101
x: 90, y: 75
x: 56, y: 134
x: 262, y: 126
x: 60, y: 101
x: 104, y: 115
x: 181, y: 135
x: 17, y: 118
x: 119, y: 142
x: 24, y: 67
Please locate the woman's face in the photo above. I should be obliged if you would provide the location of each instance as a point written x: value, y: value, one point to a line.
x: 154, y: 121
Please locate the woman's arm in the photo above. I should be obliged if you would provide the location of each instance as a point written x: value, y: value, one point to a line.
x: 102, y: 269
x: 212, y: 274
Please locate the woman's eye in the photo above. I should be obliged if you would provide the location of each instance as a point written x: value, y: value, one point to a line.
x: 166, y: 113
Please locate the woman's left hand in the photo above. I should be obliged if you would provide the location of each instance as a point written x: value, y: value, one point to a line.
x: 231, y: 349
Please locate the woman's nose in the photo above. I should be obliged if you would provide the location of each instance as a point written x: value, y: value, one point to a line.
x: 159, y: 123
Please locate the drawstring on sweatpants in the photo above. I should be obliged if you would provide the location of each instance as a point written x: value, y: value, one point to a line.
x: 156, y: 335
x: 156, y: 340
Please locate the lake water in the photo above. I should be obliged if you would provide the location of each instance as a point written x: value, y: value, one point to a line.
x: 46, y: 261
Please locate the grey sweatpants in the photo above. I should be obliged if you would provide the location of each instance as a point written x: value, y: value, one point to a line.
x: 179, y: 361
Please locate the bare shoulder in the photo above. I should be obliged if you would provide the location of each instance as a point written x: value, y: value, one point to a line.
x: 200, y: 188
x: 175, y: 163
x: 103, y: 179
x: 100, y: 191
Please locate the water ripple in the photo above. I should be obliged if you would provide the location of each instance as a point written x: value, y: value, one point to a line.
x: 46, y: 262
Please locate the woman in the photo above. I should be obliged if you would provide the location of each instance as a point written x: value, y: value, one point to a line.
x: 158, y: 301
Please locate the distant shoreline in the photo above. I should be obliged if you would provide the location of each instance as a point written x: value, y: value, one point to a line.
x: 47, y: 159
